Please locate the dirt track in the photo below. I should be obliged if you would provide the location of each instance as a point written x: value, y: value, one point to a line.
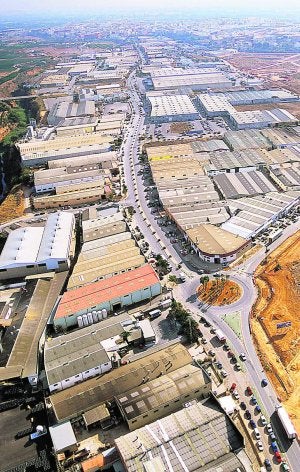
x: 278, y: 283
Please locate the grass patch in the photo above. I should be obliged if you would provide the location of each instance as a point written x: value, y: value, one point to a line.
x: 234, y: 322
x: 8, y: 77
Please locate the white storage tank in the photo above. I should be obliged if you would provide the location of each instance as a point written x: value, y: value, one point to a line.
x: 104, y: 313
x: 85, y: 320
x: 90, y: 318
x: 79, y: 321
x: 100, y: 315
x: 95, y: 316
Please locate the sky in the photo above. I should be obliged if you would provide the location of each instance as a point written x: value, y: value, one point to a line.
x: 253, y: 7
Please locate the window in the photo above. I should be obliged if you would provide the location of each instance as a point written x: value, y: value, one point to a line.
x: 145, y: 416
x: 166, y: 406
x: 197, y: 391
x: 76, y: 376
x: 133, y: 421
x: 30, y: 266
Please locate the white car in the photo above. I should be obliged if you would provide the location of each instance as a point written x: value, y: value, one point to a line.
x: 260, y: 446
x: 224, y: 373
x: 263, y: 420
x: 243, y: 356
x: 269, y: 428
x: 235, y: 394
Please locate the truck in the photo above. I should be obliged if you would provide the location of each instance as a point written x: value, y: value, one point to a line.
x: 220, y: 336
x: 286, y: 422
x: 273, y: 236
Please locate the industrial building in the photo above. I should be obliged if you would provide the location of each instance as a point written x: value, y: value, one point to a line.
x: 253, y: 215
x: 214, y: 105
x: 105, y: 160
x: 216, y: 245
x: 24, y: 358
x: 79, y: 355
x: 200, y: 81
x: 282, y: 138
x: 92, y: 393
x: 238, y: 161
x: 80, y: 125
x: 162, y: 396
x: 212, y: 145
x: 47, y: 180
x: 62, y: 110
x: 183, y: 441
x: 91, y: 193
x: 252, y: 97
x: 246, y: 139
x: 34, y: 250
x: 172, y: 108
x: 243, y: 184
x: 103, y: 226
x: 38, y: 152
x: 194, y: 214
x: 286, y: 177
x: 111, y: 294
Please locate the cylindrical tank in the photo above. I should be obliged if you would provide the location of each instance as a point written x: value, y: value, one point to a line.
x: 79, y: 321
x: 85, y: 320
x: 90, y: 318
x: 104, y: 313
x: 100, y: 315
x: 95, y: 316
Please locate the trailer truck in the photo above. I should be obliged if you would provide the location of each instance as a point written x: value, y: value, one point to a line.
x: 286, y: 422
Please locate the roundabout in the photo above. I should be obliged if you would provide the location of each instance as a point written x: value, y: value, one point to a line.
x: 219, y: 292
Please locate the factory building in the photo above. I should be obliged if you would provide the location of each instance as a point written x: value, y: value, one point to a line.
x: 286, y: 177
x: 63, y: 110
x: 183, y: 441
x: 243, y: 184
x: 111, y: 294
x: 47, y: 180
x: 34, y: 250
x: 142, y: 368
x: 282, y: 138
x: 200, y: 81
x: 167, y: 108
x: 72, y: 195
x: 246, y: 139
x: 253, y: 215
x: 81, y: 354
x: 216, y: 245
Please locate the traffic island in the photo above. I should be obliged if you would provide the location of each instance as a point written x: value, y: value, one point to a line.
x: 219, y: 292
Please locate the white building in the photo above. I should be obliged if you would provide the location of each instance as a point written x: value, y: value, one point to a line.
x: 172, y: 108
x: 34, y: 250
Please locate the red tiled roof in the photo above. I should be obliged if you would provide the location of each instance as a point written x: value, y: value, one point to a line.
x: 95, y: 293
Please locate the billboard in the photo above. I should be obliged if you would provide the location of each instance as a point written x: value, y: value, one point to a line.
x: 286, y: 324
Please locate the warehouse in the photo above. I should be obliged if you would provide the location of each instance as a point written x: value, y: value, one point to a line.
x: 34, y: 250
x: 24, y: 357
x: 251, y: 97
x: 282, y: 138
x: 242, y: 161
x: 243, y: 184
x: 183, y: 440
x: 111, y: 294
x: 47, y: 180
x: 212, y: 145
x: 216, y: 245
x: 92, y: 192
x: 105, y: 160
x: 190, y: 216
x: 103, y: 226
x: 76, y: 126
x: 79, y: 355
x: 166, y: 152
x: 179, y: 72
x: 163, y: 396
x: 145, y: 367
x: 246, y: 139
x: 253, y: 215
x: 287, y: 177
x: 200, y: 81
x: 172, y: 108
x: 187, y: 196
x: 63, y: 110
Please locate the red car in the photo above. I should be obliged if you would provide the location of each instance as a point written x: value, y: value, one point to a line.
x: 230, y: 354
x: 233, y: 387
x: 249, y: 390
x: 278, y: 457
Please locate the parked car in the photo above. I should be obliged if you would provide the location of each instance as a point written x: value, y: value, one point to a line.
x: 285, y: 467
x: 230, y: 354
x: 243, y: 405
x: 243, y: 356
x: 268, y: 465
x: 233, y: 387
x: 256, y: 433
x: 249, y: 390
x: 258, y: 408
x: 253, y: 400
x: 238, y: 367
x: 263, y: 420
x: 236, y: 395
x: 274, y: 446
x: 264, y: 382
x: 248, y: 414
x: 260, y: 446
x: 272, y: 436
x: 226, y: 347
x: 224, y: 373
x: 269, y: 428
x: 278, y: 457
x: 252, y: 424
x: 211, y: 353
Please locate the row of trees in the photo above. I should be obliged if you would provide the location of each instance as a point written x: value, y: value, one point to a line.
x: 188, y: 326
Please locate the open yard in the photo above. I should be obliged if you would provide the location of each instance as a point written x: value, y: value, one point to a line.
x: 278, y: 284
x: 219, y: 293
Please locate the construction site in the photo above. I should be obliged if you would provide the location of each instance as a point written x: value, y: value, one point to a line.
x: 275, y: 322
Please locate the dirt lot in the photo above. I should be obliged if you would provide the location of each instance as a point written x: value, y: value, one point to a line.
x: 278, y: 70
x: 13, y: 206
x: 278, y: 283
x: 180, y: 127
x: 223, y: 293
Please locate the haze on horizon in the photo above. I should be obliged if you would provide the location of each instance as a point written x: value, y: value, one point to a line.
x: 220, y: 7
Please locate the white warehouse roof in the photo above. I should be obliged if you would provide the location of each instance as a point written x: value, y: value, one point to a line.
x: 169, y: 105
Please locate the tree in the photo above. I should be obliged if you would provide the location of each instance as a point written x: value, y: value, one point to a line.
x: 173, y: 278
x: 206, y: 280
x: 190, y: 329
